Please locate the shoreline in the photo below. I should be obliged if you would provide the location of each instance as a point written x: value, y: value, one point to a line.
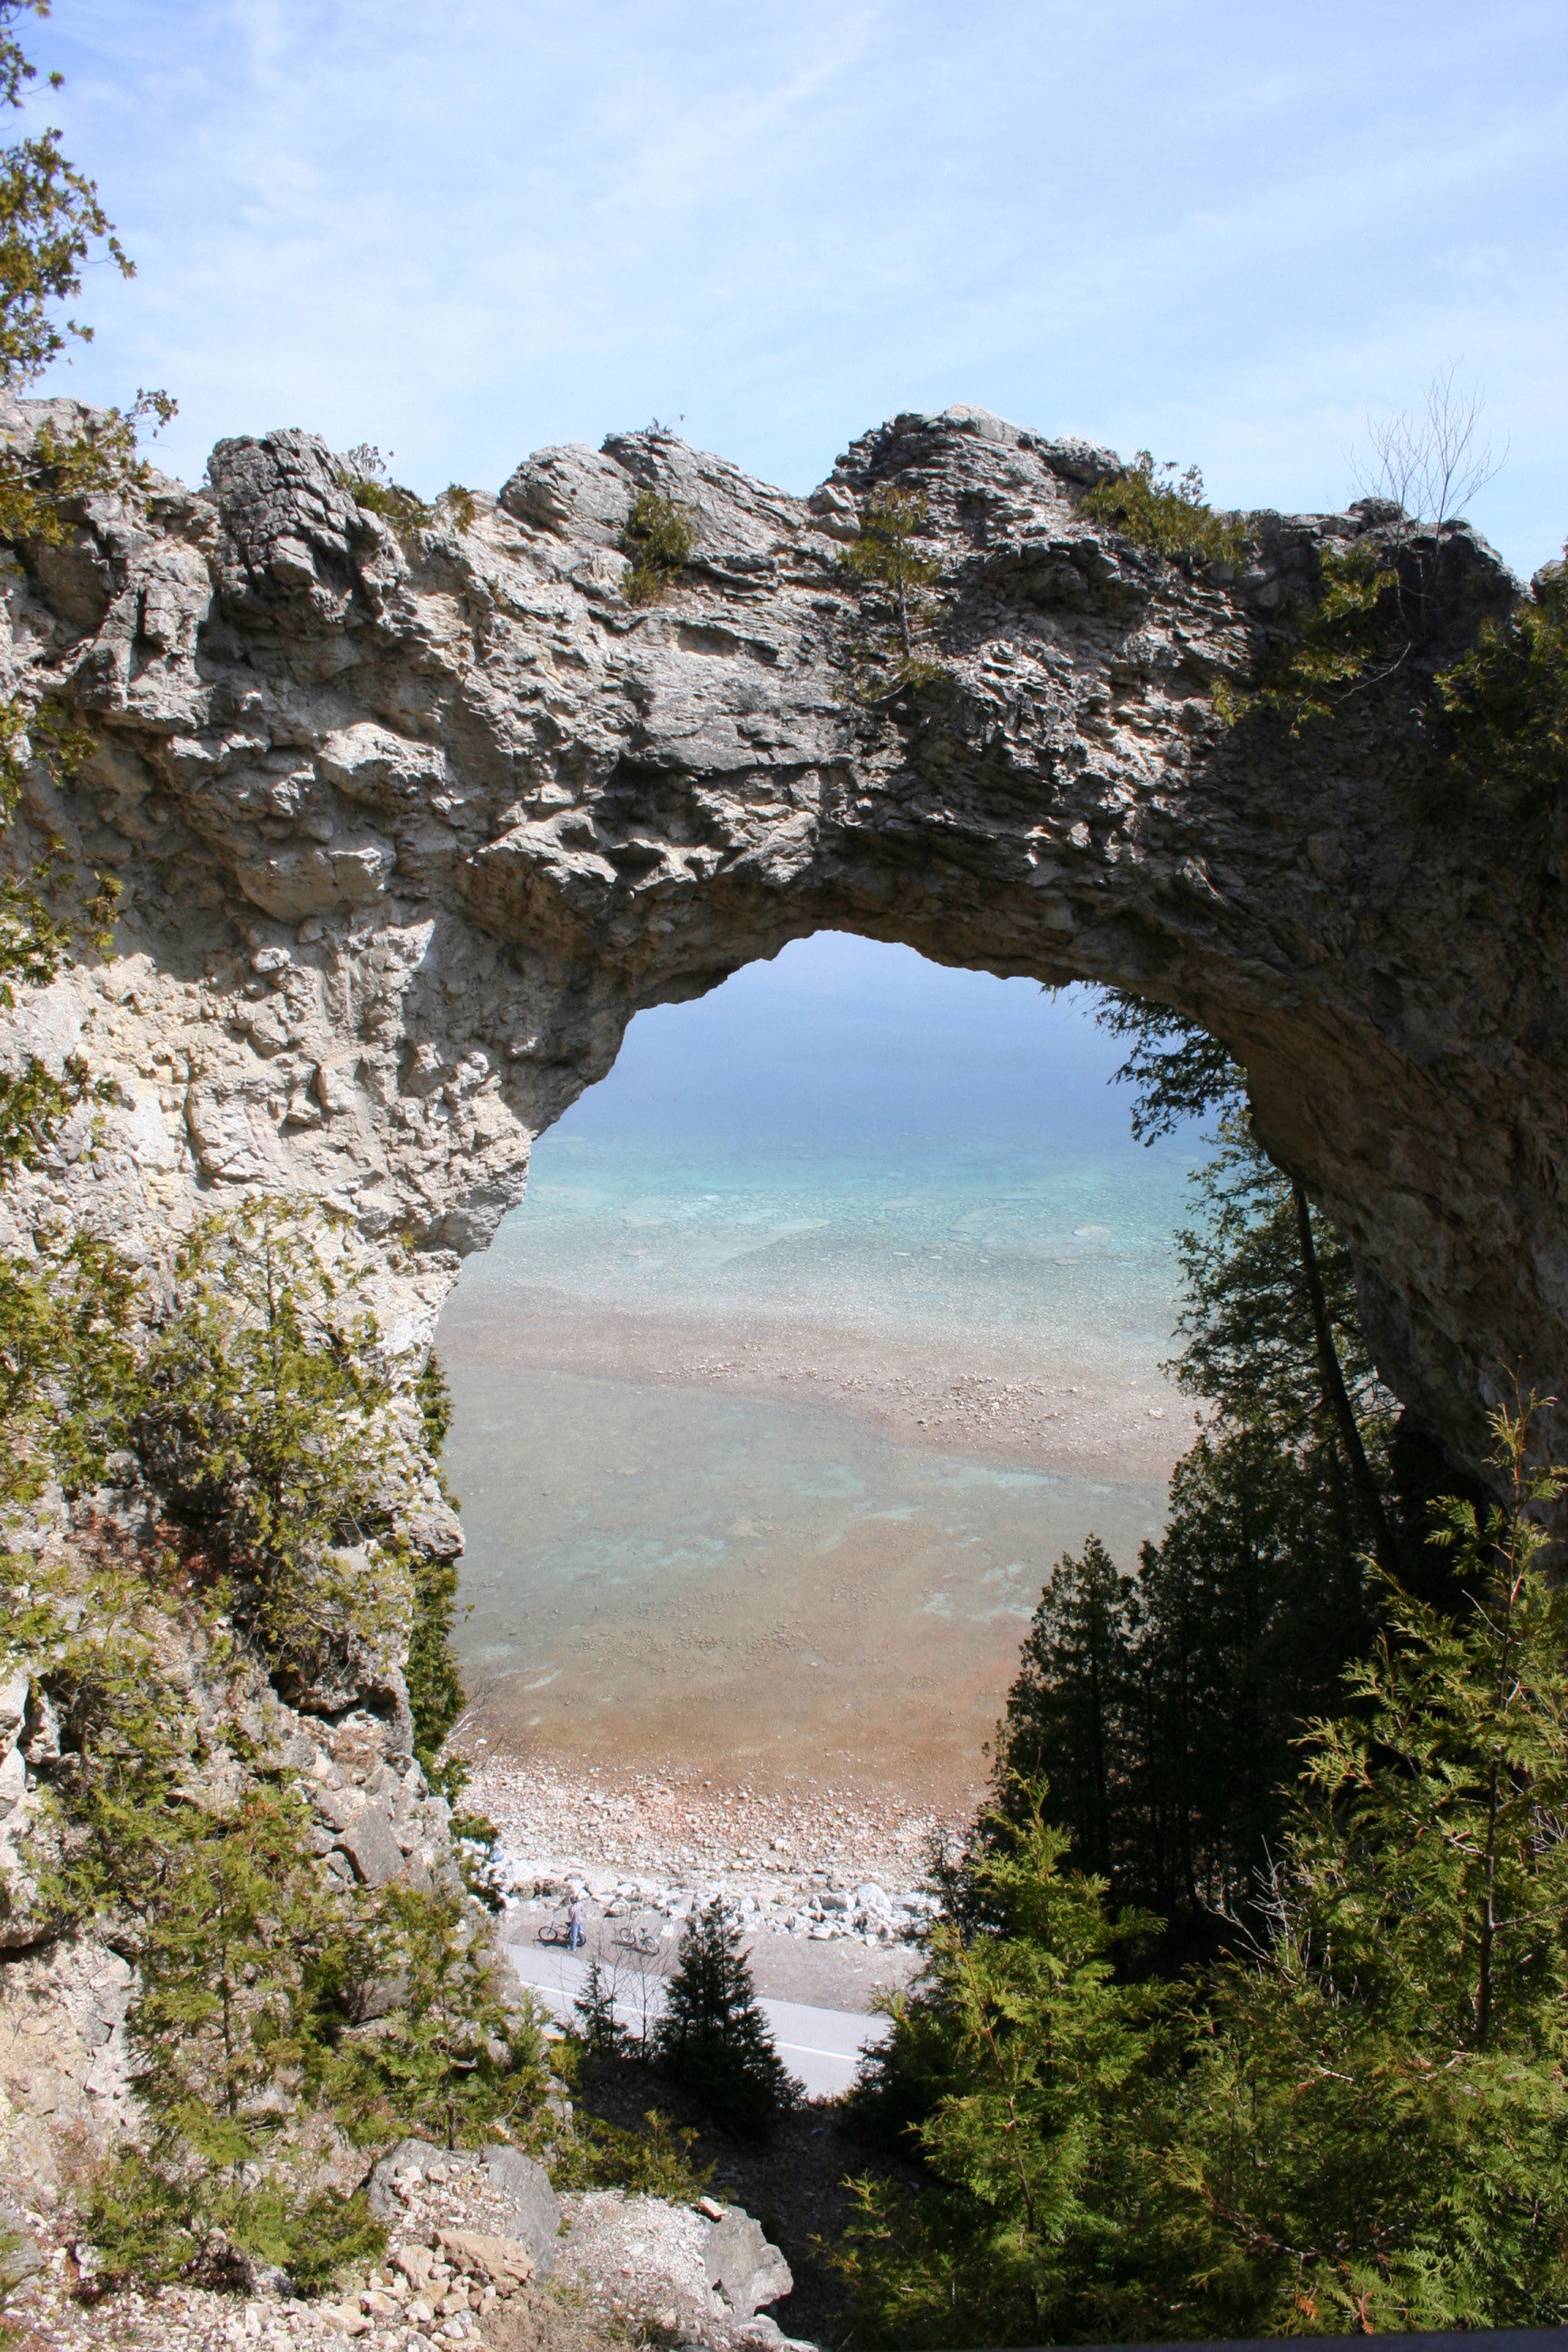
x: 1085, y: 1411
x: 648, y: 1847
x: 857, y: 1660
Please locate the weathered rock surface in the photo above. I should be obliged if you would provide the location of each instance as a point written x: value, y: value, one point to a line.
x: 651, y: 2253
x: 410, y: 827
x: 747, y: 2270
x: 522, y: 2207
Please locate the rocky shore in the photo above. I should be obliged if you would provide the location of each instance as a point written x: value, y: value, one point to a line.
x: 813, y: 1863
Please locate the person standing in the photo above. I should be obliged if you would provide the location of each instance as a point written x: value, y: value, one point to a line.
x: 575, y: 1921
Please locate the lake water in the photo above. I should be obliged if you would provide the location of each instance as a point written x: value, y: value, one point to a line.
x: 832, y: 1317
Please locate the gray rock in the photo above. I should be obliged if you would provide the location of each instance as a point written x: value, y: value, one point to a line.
x: 337, y: 1807
x: 535, y: 2204
x: 20, y: 2252
x: 408, y: 2156
x: 371, y: 1847
x: 747, y: 2270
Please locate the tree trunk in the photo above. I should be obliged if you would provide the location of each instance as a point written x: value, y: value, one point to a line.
x: 1335, y: 1395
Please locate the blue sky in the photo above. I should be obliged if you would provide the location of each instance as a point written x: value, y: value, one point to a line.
x: 464, y: 230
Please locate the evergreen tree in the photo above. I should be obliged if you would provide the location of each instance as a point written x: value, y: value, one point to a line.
x: 278, y: 1438
x: 1163, y: 1710
x: 712, y: 2037
x: 888, y: 553
x: 462, y: 2054
x: 1376, y: 2135
x: 1073, y: 1718
x: 600, y: 2029
x: 1357, y: 2122
x: 1023, y: 2067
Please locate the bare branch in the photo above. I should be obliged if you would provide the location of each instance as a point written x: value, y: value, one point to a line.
x: 1430, y: 461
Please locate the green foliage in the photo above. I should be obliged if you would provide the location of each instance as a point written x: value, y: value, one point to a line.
x: 1359, y: 2123
x: 455, y: 2059
x: 230, y: 1921
x: 51, y: 219
x: 888, y: 553
x: 458, y: 505
x: 712, y: 2038
x: 1353, y: 635
x: 245, y: 1971
x: 655, y: 2160
x: 1247, y: 1321
x: 153, y: 2226
x: 435, y: 1679
x: 1180, y: 1071
x: 69, y: 1381
x: 659, y: 536
x: 1165, y: 512
x: 598, y: 2028
x: 1076, y: 1713
x: 268, y: 1429
x: 1161, y: 1710
x: 1034, y: 2062
x: 1502, y: 724
x: 1376, y: 2132
x: 477, y: 1844
x: 362, y: 471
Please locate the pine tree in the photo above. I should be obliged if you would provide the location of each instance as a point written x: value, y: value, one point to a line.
x: 1163, y: 1710
x: 712, y: 2037
x: 1036, y: 2067
x: 1376, y: 2135
x: 888, y: 552
x: 461, y: 2056
x: 234, y: 1937
x: 270, y: 1425
x: 1072, y: 1716
x: 601, y: 2032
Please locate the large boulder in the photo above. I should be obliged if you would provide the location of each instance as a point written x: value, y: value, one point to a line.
x: 747, y: 2270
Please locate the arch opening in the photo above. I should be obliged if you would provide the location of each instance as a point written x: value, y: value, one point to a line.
x: 833, y: 1316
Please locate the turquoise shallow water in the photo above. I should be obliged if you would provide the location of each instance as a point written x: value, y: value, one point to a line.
x: 865, y: 1173
x: 851, y: 1131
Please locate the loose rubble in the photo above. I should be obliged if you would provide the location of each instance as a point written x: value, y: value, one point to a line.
x: 480, y: 2252
x: 647, y: 1852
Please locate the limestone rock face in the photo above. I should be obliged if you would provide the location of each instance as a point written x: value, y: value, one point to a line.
x: 410, y: 826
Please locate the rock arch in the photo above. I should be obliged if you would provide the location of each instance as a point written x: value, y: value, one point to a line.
x: 410, y: 826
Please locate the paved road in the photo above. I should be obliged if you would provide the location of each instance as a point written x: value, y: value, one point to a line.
x: 821, y: 2047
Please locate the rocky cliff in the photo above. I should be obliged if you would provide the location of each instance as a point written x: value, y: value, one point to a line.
x: 410, y: 824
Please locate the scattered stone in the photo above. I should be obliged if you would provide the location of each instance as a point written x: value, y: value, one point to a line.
x: 504, y: 2262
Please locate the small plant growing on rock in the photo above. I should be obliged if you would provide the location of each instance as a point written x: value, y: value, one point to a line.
x: 457, y: 505
x: 362, y: 471
x: 1166, y: 512
x: 888, y: 552
x: 659, y: 536
x: 1351, y: 637
x: 712, y: 2037
x: 654, y: 2160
